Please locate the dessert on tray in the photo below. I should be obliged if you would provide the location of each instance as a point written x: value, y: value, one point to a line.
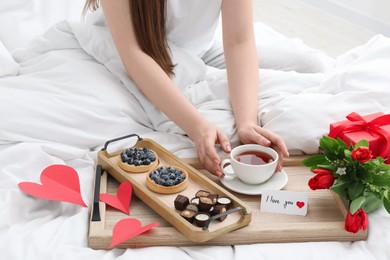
x: 167, y: 180
x: 202, y: 207
x: 138, y: 159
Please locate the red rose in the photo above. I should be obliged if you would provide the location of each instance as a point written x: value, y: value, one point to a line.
x: 357, y: 221
x: 323, y: 180
x: 362, y: 154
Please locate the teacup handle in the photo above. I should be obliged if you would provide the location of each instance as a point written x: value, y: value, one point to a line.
x: 229, y: 175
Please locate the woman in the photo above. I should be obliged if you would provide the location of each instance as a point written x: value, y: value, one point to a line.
x: 141, y: 29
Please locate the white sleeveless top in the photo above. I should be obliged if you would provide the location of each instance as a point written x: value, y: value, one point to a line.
x: 191, y: 24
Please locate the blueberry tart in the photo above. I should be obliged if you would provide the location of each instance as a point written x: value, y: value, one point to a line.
x: 138, y: 159
x: 167, y: 180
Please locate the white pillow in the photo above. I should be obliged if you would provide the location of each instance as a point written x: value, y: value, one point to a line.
x: 23, y: 20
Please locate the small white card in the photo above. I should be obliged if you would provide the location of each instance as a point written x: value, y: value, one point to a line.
x: 285, y: 202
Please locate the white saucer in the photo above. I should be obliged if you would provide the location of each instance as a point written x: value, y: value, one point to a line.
x: 276, y: 182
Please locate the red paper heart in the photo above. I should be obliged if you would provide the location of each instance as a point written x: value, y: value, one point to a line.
x: 300, y: 204
x: 121, y: 200
x: 128, y: 228
x: 59, y: 182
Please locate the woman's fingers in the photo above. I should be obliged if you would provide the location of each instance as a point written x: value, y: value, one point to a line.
x: 209, y: 156
x: 275, y: 140
x: 280, y: 159
x: 224, y: 141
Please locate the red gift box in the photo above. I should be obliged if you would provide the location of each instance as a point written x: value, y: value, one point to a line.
x: 375, y: 128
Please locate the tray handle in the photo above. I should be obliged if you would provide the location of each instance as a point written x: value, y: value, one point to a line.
x: 230, y: 211
x: 120, y: 138
x: 96, y: 210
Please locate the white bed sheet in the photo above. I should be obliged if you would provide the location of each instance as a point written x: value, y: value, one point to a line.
x: 70, y: 97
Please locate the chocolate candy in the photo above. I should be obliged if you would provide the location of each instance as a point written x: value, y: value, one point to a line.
x: 213, y: 197
x: 224, y: 201
x: 202, y: 193
x: 201, y: 219
x: 195, y: 200
x: 181, y: 202
x: 218, y: 209
x: 188, y: 215
x: 205, y: 204
x: 192, y: 207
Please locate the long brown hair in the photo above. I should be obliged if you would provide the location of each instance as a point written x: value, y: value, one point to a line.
x: 148, y: 18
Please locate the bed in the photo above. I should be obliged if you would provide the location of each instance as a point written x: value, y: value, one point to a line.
x: 64, y: 93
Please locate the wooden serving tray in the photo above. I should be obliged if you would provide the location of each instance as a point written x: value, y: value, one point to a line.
x: 239, y: 214
x: 324, y: 221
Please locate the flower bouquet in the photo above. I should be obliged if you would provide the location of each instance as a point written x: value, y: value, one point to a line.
x: 352, y: 173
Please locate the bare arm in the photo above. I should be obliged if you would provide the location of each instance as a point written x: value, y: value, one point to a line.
x: 243, y: 74
x: 158, y: 87
x: 241, y: 59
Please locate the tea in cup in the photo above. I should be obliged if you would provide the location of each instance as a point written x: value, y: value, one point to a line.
x: 251, y: 163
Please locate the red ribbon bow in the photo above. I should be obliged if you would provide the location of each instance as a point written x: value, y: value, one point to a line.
x: 373, y: 127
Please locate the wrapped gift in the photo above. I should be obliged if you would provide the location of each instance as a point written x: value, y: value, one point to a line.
x: 375, y: 128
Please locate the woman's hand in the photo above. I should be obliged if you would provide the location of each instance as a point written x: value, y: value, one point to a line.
x: 255, y: 134
x: 205, y: 140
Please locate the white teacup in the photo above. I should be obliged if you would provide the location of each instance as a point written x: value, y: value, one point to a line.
x: 251, y: 163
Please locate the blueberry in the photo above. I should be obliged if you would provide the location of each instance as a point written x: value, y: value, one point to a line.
x: 130, y: 160
x: 178, y: 180
x: 170, y: 182
x: 130, y: 152
x: 124, y: 157
x: 147, y: 161
x: 136, y: 162
x: 161, y: 182
x: 150, y: 154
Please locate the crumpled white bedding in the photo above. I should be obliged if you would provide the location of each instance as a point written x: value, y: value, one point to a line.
x: 69, y: 98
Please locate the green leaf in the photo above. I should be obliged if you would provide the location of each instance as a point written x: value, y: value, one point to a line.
x: 314, y: 160
x: 363, y: 174
x: 341, y: 188
x: 386, y: 204
x: 372, y: 203
x: 347, y: 153
x: 341, y: 152
x: 380, y: 180
x: 342, y: 144
x: 327, y: 167
x: 355, y: 188
x: 356, y: 204
x: 330, y: 147
x: 362, y: 142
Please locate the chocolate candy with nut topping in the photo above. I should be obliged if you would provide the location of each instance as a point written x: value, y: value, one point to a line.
x: 188, y: 215
x: 218, y: 209
x: 205, y: 204
x: 202, y: 193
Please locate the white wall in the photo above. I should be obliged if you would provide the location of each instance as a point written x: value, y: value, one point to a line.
x: 373, y: 15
